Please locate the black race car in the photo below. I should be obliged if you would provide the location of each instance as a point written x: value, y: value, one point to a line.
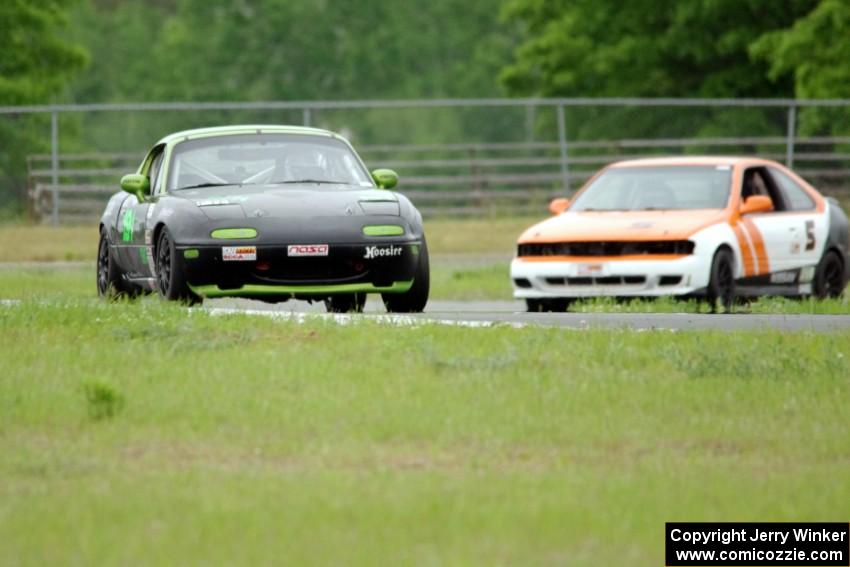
x: 265, y: 212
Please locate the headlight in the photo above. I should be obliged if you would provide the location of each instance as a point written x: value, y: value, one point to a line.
x: 233, y: 233
x: 383, y: 230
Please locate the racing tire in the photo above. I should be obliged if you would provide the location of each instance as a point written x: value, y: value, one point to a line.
x: 110, y: 284
x: 721, y: 282
x: 556, y: 305
x: 414, y: 299
x: 829, y: 276
x: 346, y: 303
x: 170, y: 276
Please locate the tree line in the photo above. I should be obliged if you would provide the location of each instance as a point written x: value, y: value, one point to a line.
x: 240, y: 50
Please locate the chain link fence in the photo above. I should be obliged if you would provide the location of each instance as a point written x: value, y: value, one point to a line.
x: 454, y: 157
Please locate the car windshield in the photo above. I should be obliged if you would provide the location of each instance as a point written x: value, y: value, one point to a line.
x: 254, y: 159
x: 657, y: 188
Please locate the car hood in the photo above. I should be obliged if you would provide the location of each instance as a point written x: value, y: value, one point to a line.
x: 621, y: 226
x: 291, y: 201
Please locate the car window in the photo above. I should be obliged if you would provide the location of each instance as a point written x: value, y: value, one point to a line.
x: 657, y: 188
x: 795, y: 196
x: 757, y: 182
x: 255, y: 159
x: 154, y: 172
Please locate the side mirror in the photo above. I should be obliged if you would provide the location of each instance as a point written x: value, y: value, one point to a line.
x: 559, y: 205
x: 136, y: 184
x: 756, y: 204
x: 385, y: 178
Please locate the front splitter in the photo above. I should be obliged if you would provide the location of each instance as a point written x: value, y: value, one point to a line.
x: 250, y: 290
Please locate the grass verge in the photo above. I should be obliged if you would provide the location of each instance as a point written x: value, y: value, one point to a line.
x: 447, y: 283
x: 41, y: 243
x: 149, y: 434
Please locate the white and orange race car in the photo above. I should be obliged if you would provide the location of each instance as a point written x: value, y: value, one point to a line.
x: 710, y: 227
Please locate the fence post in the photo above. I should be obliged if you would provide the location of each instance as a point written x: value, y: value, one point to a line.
x: 306, y: 116
x: 54, y: 164
x: 562, y: 143
x: 791, y: 133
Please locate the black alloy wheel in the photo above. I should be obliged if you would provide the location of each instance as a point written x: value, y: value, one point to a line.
x: 109, y: 282
x: 829, y: 276
x: 170, y: 277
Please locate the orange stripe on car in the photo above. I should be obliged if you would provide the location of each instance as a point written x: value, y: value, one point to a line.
x: 746, y: 253
x: 758, y: 245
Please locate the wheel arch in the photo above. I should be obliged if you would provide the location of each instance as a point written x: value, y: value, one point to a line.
x: 737, y: 263
x: 157, y: 230
x: 725, y: 246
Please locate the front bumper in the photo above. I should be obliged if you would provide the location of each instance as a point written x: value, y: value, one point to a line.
x: 373, y: 267
x: 540, y: 279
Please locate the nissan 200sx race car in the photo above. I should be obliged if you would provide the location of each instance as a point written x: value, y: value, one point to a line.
x: 265, y: 212
x: 711, y: 227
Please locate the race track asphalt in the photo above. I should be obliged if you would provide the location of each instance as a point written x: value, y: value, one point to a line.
x: 487, y: 313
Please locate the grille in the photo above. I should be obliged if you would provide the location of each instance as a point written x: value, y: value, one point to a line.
x: 599, y: 280
x: 669, y: 280
x: 313, y: 269
x: 612, y: 248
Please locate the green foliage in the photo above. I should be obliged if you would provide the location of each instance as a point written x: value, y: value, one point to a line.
x: 813, y: 50
x: 291, y: 50
x: 36, y: 61
x: 815, y: 53
x: 699, y: 48
x: 646, y: 48
x: 103, y: 401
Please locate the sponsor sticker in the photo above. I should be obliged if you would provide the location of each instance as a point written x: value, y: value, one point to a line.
x: 381, y: 252
x: 307, y: 250
x: 238, y: 253
x: 590, y: 269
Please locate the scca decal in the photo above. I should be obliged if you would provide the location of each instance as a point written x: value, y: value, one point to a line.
x: 381, y: 251
x: 307, y: 250
x: 239, y: 253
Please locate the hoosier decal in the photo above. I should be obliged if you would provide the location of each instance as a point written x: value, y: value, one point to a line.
x: 380, y: 251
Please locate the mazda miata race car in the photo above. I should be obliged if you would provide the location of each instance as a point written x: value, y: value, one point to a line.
x: 265, y: 212
x: 710, y: 227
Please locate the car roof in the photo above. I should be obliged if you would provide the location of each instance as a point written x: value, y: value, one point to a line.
x: 692, y: 161
x: 244, y: 129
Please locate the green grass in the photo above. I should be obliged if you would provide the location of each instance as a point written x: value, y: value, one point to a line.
x: 40, y: 243
x: 147, y: 434
x: 489, y: 282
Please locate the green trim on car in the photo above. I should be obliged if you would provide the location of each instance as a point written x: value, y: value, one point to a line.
x: 383, y: 230
x: 233, y: 233
x: 254, y: 289
x: 191, y: 253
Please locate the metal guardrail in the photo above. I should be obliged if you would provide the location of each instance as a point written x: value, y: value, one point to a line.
x: 463, y: 178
